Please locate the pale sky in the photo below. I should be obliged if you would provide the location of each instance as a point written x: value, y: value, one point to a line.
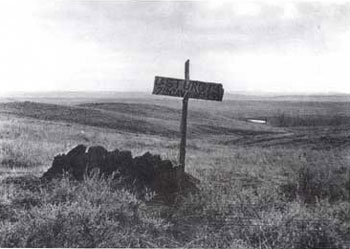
x: 268, y: 46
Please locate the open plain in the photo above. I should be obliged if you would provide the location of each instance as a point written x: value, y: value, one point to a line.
x: 282, y: 184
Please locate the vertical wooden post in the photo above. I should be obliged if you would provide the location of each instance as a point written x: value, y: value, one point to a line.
x: 183, y: 127
x: 349, y: 182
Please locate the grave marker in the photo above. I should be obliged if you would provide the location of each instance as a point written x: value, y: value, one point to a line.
x: 187, y: 89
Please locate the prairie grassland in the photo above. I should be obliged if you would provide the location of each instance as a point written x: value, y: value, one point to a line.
x: 253, y: 195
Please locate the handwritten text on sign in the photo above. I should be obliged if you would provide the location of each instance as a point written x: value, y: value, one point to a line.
x: 195, y: 89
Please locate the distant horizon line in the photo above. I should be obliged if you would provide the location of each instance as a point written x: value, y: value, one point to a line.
x: 256, y: 93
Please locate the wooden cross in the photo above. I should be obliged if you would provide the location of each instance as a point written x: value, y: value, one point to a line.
x: 187, y: 89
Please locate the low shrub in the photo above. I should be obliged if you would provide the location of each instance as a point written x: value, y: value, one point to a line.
x: 89, y: 214
x: 226, y: 216
x: 223, y: 214
x: 319, y: 177
x: 14, y: 155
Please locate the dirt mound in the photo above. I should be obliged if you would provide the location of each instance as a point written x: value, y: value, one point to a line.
x: 138, y: 174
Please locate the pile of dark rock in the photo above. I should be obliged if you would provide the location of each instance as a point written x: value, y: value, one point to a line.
x: 141, y: 174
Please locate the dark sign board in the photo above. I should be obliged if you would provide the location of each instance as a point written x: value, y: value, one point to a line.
x: 195, y: 89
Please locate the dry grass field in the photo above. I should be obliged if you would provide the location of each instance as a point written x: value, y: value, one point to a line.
x: 283, y: 184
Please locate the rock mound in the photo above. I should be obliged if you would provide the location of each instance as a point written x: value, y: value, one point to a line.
x: 138, y: 174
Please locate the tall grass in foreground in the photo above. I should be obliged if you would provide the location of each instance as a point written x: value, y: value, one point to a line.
x: 69, y: 214
x: 261, y: 217
x: 93, y: 213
